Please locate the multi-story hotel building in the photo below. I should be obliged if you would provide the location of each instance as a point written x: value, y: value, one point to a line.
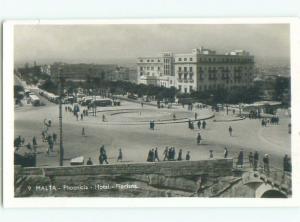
x: 202, y: 69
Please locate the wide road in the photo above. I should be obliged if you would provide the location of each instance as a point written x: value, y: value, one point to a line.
x: 136, y: 139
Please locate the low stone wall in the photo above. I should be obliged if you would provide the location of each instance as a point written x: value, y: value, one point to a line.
x: 206, y: 178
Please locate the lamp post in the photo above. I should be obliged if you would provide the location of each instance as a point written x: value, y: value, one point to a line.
x: 61, y: 148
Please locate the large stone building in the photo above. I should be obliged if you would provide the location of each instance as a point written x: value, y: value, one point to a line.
x: 202, y: 69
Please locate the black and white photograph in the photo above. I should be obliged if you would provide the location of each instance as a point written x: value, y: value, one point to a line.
x: 168, y: 110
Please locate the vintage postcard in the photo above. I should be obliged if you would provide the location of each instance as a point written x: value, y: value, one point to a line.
x: 159, y: 112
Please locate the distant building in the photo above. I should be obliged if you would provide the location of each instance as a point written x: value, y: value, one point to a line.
x: 202, y: 69
x: 82, y: 72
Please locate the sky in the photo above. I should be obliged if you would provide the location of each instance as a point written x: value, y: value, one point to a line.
x: 124, y: 43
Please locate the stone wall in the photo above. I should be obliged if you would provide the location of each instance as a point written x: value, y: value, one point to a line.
x: 206, y: 178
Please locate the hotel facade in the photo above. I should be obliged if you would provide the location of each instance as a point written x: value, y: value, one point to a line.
x: 200, y: 70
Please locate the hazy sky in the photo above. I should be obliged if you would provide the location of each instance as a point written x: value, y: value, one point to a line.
x: 109, y: 43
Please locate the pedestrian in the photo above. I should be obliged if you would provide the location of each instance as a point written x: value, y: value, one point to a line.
x: 211, y: 155
x: 250, y: 157
x: 34, y: 143
x: 152, y: 156
x: 81, y: 116
x: 174, y: 116
x: 156, y: 155
x: 149, y: 156
x: 166, y: 153
x: 82, y: 132
x: 170, y: 151
x: 188, y: 156
x: 104, y: 157
x: 120, y: 156
x: 203, y: 124
x: 255, y: 160
x: 89, y: 162
x: 230, y: 130
x: 199, y: 138
x: 240, y: 159
x: 49, y: 122
x: 196, y: 115
x: 225, y: 152
x: 266, y: 162
x: 103, y: 118
x: 179, y: 155
x: 199, y: 124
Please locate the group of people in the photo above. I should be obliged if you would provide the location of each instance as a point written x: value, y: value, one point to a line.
x: 199, y: 124
x: 169, y: 154
x: 273, y: 121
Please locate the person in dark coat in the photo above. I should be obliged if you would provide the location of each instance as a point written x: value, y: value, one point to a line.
x: 199, y: 124
x: 188, y: 156
x: 166, y: 154
x: 156, y: 155
x: 266, y: 162
x: 199, y: 138
x: 180, y: 155
x: 34, y: 143
x: 230, y: 130
x: 250, y: 157
x: 203, y: 124
x: 241, y: 158
x: 120, y: 156
x: 255, y: 160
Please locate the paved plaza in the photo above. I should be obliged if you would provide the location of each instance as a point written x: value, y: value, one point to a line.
x: 127, y: 127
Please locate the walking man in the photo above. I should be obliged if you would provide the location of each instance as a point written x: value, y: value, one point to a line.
x: 179, y: 155
x: 83, y: 132
x: 199, y: 124
x: 199, y: 139
x: 225, y: 152
x: 188, y: 156
x: 166, y: 154
x: 250, y: 159
x: 156, y: 155
x: 203, y: 124
x: 230, y: 130
x: 255, y: 160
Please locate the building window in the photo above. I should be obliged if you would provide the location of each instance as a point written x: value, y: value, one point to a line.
x: 185, y: 59
x: 148, y: 68
x: 179, y: 68
x: 179, y: 87
x: 185, y: 90
x: 158, y: 60
x: 152, y: 68
x: 185, y: 69
x: 148, y: 60
x: 141, y: 68
x: 191, y: 59
x: 158, y: 68
x: 191, y: 69
x: 191, y: 89
x: 179, y: 59
x: 141, y: 74
x: 141, y: 60
x: 171, y: 82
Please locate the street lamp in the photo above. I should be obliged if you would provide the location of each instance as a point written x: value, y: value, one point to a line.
x: 61, y: 148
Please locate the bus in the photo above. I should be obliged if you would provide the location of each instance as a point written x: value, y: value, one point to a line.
x: 35, y: 101
x: 102, y: 102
